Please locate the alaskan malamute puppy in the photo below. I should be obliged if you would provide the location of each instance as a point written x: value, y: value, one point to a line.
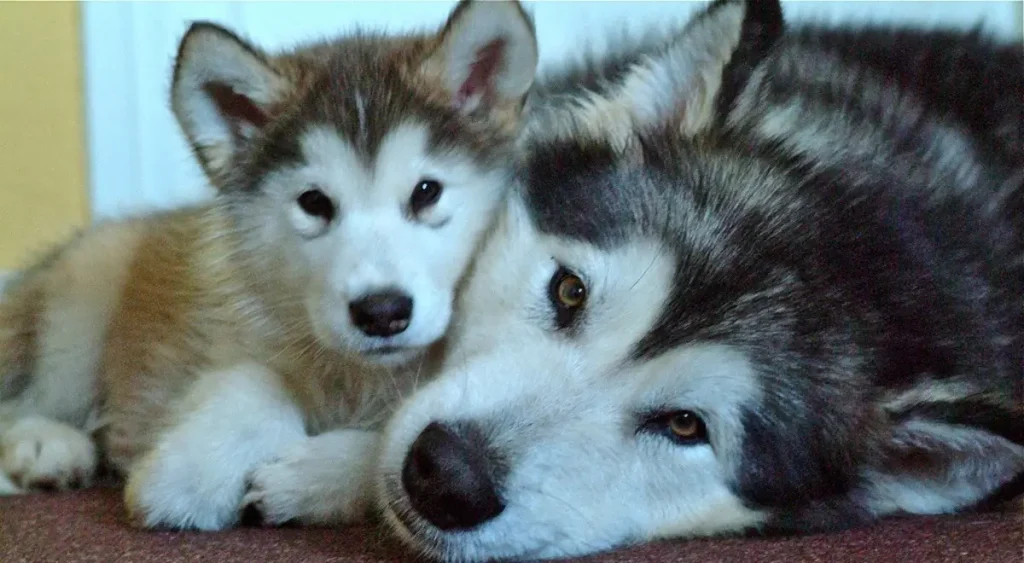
x: 201, y: 347
x: 768, y: 280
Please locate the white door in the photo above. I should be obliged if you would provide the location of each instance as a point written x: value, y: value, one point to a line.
x: 138, y: 160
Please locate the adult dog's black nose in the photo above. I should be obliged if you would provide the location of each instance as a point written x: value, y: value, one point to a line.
x: 450, y: 478
x: 386, y: 313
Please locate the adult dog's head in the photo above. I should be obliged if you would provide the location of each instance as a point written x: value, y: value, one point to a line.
x: 654, y: 343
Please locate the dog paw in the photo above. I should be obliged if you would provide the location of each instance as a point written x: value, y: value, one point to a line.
x: 319, y: 481
x: 37, y: 453
x: 174, y: 490
x: 7, y: 487
x: 290, y: 490
x: 230, y: 422
x: 270, y: 498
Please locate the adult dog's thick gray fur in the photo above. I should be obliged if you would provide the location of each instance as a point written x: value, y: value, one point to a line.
x: 803, y: 254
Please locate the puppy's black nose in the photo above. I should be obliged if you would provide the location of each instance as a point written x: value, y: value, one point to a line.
x: 381, y: 314
x: 450, y: 479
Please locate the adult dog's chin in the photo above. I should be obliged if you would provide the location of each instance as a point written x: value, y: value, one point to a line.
x: 467, y: 546
x: 433, y: 545
x: 404, y: 523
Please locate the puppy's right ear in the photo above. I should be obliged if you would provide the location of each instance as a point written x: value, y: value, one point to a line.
x: 485, y: 59
x: 223, y: 92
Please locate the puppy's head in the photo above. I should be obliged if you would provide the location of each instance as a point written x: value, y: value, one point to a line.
x: 361, y: 173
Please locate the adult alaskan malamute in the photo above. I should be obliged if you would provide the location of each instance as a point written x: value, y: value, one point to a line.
x: 768, y: 279
x: 202, y: 346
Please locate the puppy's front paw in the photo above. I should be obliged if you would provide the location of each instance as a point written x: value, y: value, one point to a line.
x: 180, y: 489
x: 40, y: 453
x: 275, y: 494
x: 7, y: 487
x: 231, y: 421
x: 323, y: 480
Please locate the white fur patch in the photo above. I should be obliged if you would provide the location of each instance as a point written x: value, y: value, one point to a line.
x: 231, y: 420
x: 931, y: 391
x: 975, y: 463
x: 305, y: 224
x: 374, y: 244
x: 361, y: 114
x: 580, y: 476
x: 82, y: 289
x: 479, y: 25
x: 38, y: 452
x: 677, y: 87
x: 325, y: 479
x: 209, y: 56
x: 715, y: 379
x: 7, y: 487
x: 682, y: 83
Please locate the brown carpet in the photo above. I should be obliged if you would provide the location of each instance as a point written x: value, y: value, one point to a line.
x: 88, y: 526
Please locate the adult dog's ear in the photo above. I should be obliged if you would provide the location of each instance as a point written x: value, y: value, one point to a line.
x: 949, y: 455
x: 486, y: 58
x: 223, y: 92
x: 709, y: 58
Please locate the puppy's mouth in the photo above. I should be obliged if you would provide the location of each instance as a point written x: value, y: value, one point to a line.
x: 389, y: 353
x: 385, y: 350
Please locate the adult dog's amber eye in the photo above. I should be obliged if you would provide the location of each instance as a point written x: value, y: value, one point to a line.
x: 571, y: 292
x: 682, y: 427
x: 685, y: 425
x: 568, y: 294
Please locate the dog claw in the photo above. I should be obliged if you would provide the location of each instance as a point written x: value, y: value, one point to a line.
x: 252, y: 515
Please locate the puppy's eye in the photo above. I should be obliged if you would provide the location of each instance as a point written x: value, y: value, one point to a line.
x: 568, y: 294
x: 682, y: 427
x: 425, y: 194
x: 315, y: 203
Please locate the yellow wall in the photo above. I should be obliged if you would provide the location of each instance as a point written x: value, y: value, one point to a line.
x: 43, y: 194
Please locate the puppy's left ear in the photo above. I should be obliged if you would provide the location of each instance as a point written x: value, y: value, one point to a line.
x: 486, y: 58
x: 682, y: 85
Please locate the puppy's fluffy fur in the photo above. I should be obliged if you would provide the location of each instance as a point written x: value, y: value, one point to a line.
x: 203, y: 346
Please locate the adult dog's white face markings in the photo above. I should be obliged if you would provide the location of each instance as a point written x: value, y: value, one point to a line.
x: 586, y: 447
x: 668, y: 331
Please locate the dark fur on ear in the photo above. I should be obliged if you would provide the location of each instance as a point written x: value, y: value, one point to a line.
x: 763, y: 25
x: 223, y: 91
x: 703, y: 68
x: 939, y: 456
